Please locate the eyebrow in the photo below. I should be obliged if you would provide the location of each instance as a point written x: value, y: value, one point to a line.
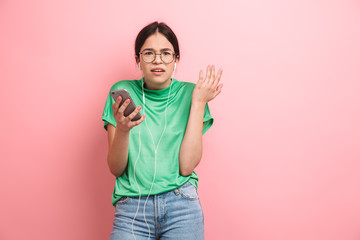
x: 163, y: 49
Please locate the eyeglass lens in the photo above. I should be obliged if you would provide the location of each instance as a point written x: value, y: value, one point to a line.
x: 165, y: 56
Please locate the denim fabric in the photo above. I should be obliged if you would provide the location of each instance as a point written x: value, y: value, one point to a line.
x: 174, y: 215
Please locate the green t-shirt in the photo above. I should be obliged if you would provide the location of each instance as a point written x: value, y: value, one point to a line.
x: 167, y: 175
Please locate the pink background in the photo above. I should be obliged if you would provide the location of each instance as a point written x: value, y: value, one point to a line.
x: 281, y: 161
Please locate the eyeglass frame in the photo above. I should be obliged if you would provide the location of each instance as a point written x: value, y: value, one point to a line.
x: 173, y: 54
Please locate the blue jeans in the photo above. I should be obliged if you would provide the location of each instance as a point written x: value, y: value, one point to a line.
x: 171, y: 215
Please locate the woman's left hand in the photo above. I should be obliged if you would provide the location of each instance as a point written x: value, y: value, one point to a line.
x: 207, y: 88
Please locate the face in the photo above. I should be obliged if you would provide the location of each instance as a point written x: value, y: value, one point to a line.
x: 157, y: 74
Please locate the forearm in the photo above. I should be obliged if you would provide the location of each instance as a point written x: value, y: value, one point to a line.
x: 191, y: 146
x: 118, y: 151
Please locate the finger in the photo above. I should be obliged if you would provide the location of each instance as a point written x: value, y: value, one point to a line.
x: 213, y: 72
x: 212, y: 77
x: 135, y: 123
x: 201, y: 76
x: 123, y: 107
x: 208, y: 72
x: 115, y: 105
x: 218, y: 77
x: 133, y: 114
x: 218, y: 88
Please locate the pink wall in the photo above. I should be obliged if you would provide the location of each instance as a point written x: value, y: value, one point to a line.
x: 281, y: 161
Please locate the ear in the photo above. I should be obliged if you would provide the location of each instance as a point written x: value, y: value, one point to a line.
x: 137, y: 61
x: 176, y: 63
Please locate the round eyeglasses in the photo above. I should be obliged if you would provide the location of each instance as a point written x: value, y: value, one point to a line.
x: 149, y: 56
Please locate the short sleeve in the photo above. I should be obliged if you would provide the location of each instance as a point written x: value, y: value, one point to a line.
x: 108, y: 116
x: 208, y: 119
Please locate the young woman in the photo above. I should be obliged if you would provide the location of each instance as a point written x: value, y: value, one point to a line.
x: 153, y: 158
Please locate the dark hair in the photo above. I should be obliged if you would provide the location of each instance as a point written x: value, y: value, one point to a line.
x: 153, y: 28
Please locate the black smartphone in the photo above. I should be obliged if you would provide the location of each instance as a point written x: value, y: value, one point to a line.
x: 131, y: 107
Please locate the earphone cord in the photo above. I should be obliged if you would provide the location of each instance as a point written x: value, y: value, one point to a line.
x: 155, y: 152
x: 137, y: 210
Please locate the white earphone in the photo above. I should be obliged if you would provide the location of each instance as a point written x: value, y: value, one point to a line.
x: 139, y: 65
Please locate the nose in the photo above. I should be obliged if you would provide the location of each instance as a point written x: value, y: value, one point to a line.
x: 157, y: 59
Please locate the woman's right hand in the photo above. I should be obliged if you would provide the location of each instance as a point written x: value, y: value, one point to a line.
x: 124, y: 123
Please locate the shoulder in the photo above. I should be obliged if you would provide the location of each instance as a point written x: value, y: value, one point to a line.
x: 187, y: 86
x: 127, y: 84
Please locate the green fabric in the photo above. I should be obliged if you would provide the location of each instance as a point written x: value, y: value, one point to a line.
x: 167, y: 164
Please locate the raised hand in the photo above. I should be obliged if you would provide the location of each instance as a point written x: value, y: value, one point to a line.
x: 124, y: 123
x: 207, y: 88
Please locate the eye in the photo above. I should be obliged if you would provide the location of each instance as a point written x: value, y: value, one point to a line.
x: 148, y: 53
x: 167, y: 53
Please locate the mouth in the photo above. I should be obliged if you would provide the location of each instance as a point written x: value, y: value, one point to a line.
x: 157, y: 70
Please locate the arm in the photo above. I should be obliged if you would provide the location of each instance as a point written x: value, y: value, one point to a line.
x: 118, y: 137
x: 191, y: 146
x: 118, y: 150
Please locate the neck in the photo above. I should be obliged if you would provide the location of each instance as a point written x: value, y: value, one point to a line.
x: 154, y: 86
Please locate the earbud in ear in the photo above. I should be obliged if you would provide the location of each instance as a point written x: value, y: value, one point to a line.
x: 139, y: 66
x: 174, y: 67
